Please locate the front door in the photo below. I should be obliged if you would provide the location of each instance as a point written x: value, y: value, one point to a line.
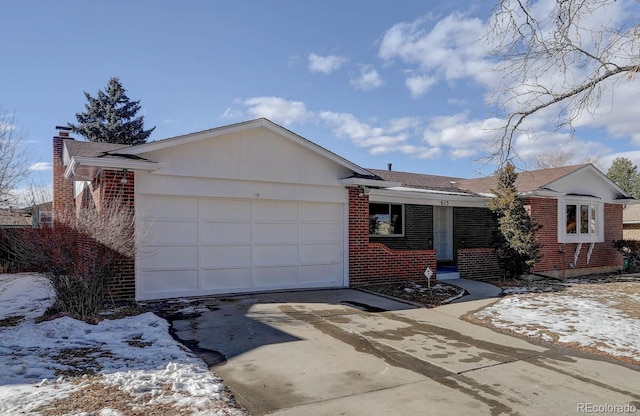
x: 443, y: 232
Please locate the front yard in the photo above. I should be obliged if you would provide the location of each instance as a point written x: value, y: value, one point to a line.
x: 598, y: 315
x: 132, y: 366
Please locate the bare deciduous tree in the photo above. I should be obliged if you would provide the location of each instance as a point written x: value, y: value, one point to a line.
x: 559, y: 58
x: 13, y: 157
x: 551, y: 159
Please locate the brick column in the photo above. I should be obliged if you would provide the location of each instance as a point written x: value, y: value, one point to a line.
x: 63, y: 203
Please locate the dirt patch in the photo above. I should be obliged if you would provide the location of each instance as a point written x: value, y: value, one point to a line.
x: 418, y: 292
x: 94, y: 396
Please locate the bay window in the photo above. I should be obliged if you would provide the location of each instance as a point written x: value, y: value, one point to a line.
x: 581, y: 222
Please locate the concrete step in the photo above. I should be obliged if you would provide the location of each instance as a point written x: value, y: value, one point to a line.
x: 447, y: 274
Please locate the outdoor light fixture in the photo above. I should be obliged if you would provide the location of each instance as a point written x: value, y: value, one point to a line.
x: 124, y: 179
x: 363, y: 190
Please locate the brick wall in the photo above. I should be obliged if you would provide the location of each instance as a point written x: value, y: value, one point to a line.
x: 110, y: 187
x: 107, y: 186
x: 63, y: 203
x: 375, y: 262
x: 478, y: 263
x: 557, y: 258
x: 418, y: 230
x: 473, y: 227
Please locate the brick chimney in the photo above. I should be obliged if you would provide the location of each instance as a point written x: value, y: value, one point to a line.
x: 63, y: 189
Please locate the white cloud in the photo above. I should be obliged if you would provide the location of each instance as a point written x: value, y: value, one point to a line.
x: 462, y: 136
x: 369, y: 79
x: 325, y: 64
x: 276, y: 109
x: 450, y: 49
x: 394, y: 136
x: 419, y: 85
x: 40, y: 166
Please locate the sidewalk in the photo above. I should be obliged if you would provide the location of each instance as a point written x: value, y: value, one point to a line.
x: 476, y: 290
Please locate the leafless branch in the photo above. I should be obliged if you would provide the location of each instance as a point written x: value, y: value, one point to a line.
x: 559, y: 59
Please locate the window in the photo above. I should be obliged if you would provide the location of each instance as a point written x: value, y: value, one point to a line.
x: 385, y: 219
x: 582, y: 222
x: 583, y: 215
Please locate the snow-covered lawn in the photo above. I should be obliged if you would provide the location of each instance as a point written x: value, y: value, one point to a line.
x: 598, y: 317
x: 122, y: 367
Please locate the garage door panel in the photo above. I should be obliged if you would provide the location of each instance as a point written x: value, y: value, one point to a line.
x: 226, y: 279
x: 275, y: 233
x: 272, y: 255
x: 274, y: 211
x: 166, y: 207
x: 171, y: 232
x: 320, y: 231
x: 320, y: 253
x: 169, y: 280
x: 220, y: 232
x: 225, y: 256
x: 320, y: 212
x: 319, y: 273
x: 227, y: 209
x: 170, y: 257
x: 282, y: 276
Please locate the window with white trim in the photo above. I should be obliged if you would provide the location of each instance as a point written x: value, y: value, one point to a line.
x: 581, y: 222
x: 386, y: 220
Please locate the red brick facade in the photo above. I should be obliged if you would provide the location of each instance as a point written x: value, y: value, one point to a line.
x: 371, y: 263
x: 478, y: 263
x: 63, y: 202
x: 107, y: 186
x: 557, y: 259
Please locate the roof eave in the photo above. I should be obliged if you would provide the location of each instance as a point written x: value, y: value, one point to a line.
x: 372, y: 183
x: 87, y: 168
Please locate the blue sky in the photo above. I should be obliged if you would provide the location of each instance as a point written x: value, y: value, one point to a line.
x: 376, y: 82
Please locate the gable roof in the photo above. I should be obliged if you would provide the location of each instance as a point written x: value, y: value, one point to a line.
x: 418, y: 180
x: 527, y: 181
x: 544, y: 182
x: 90, y: 149
x: 244, y: 126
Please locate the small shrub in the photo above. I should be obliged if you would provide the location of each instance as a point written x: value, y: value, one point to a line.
x: 630, y: 250
x: 79, y: 254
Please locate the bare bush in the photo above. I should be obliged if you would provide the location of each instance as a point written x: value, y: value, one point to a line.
x: 80, y: 254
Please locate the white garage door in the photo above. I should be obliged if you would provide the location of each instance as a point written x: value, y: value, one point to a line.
x: 198, y: 246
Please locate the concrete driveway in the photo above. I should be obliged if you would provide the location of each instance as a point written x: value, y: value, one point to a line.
x: 345, y: 352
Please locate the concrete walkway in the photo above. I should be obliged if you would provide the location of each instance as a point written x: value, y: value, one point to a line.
x: 346, y: 352
x: 476, y: 290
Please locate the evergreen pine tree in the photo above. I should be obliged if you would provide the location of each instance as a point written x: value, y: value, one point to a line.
x: 625, y: 174
x: 111, y: 117
x: 515, y: 240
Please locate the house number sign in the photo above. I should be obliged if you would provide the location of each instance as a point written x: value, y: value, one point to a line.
x: 444, y: 203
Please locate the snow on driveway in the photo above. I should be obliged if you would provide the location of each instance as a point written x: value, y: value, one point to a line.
x: 601, y: 318
x: 114, y: 368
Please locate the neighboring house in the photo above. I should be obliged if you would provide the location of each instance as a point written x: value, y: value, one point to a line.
x: 631, y: 222
x: 15, y: 218
x: 253, y: 207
